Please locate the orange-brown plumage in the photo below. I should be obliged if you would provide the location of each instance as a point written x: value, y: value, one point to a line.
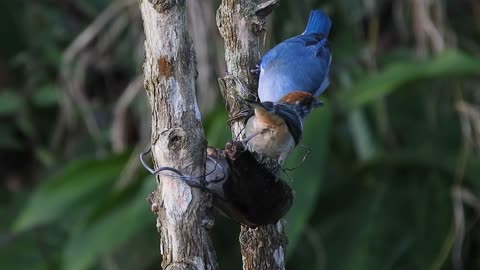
x: 298, y: 97
x: 274, y: 130
x: 268, y: 118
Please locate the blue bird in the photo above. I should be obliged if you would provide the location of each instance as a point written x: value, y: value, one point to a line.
x: 296, y: 70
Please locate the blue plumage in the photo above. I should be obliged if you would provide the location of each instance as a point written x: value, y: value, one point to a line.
x: 300, y: 63
x: 318, y: 22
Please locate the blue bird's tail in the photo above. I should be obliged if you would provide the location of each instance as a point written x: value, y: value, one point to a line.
x: 318, y: 23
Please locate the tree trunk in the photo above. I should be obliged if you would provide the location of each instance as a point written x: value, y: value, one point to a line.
x: 177, y: 137
x: 265, y: 246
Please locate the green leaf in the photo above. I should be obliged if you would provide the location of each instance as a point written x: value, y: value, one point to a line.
x: 390, y: 217
x: 125, y: 220
x: 60, y: 194
x: 217, y: 130
x: 46, y: 96
x: 145, y: 243
x: 46, y: 157
x: 308, y: 178
x: 450, y: 63
x: 8, y: 138
x: 443, y: 162
x: 10, y: 102
x: 389, y: 225
x: 21, y: 252
x: 25, y: 123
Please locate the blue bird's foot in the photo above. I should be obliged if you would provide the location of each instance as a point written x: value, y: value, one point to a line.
x: 256, y: 70
x: 245, y: 113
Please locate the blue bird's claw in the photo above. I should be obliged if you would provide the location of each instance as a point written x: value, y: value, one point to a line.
x: 245, y: 113
x: 256, y: 70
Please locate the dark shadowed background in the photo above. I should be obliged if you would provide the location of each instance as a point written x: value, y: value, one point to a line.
x: 392, y: 181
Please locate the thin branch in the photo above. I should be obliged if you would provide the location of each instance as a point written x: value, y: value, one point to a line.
x: 425, y: 28
x: 264, y: 9
x: 94, y: 29
x: 73, y: 74
x: 120, y: 123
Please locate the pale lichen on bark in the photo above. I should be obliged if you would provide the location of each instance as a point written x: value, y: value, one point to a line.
x: 239, y: 25
x: 177, y: 136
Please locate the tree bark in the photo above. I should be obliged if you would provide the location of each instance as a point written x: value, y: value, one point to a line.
x: 177, y: 137
x: 202, y: 25
x: 239, y: 25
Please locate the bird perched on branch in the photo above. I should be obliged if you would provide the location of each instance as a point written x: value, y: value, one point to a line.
x: 296, y: 70
x: 292, y: 75
x: 274, y: 129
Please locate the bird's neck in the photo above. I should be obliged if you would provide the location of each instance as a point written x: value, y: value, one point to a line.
x: 267, y: 118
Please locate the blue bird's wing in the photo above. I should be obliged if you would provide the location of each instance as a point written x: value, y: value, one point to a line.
x: 300, y: 63
x: 317, y: 44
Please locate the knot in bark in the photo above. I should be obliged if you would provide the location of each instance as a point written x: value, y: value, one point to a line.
x: 176, y: 139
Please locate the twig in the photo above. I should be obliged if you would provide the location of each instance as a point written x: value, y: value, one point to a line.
x: 111, y: 34
x: 459, y: 221
x: 94, y: 29
x: 468, y: 198
x: 471, y: 114
x: 264, y: 9
x: 127, y: 174
x: 72, y: 76
x: 119, y: 124
x: 424, y: 28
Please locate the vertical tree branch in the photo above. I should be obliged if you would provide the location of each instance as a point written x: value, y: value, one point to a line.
x: 177, y: 136
x: 263, y: 247
x: 202, y: 25
x: 236, y: 22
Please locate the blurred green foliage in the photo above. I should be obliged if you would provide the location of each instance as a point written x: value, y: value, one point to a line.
x: 392, y: 180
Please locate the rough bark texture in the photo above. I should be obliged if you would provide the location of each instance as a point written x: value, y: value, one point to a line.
x: 265, y: 246
x: 202, y: 25
x: 177, y: 137
x: 239, y: 28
